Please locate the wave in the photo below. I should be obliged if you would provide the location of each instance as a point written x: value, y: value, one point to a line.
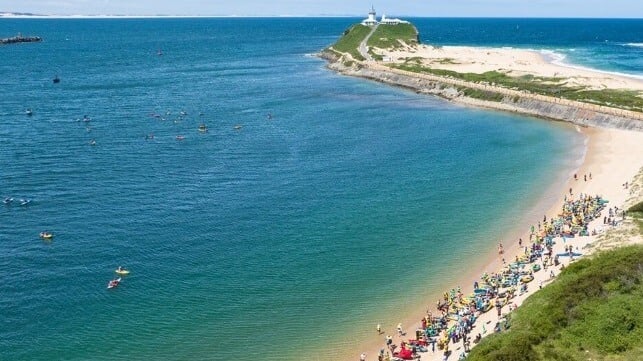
x: 636, y: 45
x: 558, y: 58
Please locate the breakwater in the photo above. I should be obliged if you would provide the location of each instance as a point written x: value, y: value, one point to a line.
x: 580, y: 113
x: 20, y: 39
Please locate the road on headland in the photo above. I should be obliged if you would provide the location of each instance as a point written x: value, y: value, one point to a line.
x: 362, y: 46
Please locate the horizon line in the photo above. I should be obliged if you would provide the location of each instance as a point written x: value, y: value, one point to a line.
x: 22, y: 15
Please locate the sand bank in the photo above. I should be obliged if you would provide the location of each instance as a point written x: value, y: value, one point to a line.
x: 612, y: 158
x: 513, y: 62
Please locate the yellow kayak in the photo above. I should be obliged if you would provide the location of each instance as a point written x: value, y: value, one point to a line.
x: 122, y: 271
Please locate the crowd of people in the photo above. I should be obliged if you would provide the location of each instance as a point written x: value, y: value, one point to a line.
x: 456, y: 313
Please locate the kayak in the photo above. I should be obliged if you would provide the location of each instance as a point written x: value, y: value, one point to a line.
x: 122, y: 272
x: 113, y: 283
x: 46, y: 235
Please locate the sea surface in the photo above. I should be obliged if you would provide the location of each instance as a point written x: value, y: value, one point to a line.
x: 314, y: 207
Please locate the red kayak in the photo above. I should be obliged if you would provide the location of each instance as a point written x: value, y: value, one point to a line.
x: 114, y: 283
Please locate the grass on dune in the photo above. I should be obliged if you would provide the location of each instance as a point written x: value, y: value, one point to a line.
x: 594, y: 310
x: 554, y: 87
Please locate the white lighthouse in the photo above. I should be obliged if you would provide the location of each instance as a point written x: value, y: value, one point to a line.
x: 371, y: 20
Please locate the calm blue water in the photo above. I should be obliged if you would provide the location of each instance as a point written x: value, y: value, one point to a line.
x: 288, y: 236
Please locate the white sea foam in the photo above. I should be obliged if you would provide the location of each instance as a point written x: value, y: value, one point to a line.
x: 636, y: 45
x: 558, y: 58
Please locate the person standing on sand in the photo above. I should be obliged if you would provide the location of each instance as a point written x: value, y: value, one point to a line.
x: 362, y: 357
x: 379, y: 329
x: 399, y: 329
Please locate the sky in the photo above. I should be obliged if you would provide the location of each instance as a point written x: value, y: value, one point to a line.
x: 416, y: 8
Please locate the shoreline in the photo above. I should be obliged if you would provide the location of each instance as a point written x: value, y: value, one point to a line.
x: 545, y: 53
x: 511, y: 62
x: 514, y: 101
x: 611, y: 158
x: 613, y: 138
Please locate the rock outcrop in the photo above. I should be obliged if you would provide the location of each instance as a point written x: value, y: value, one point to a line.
x: 583, y: 114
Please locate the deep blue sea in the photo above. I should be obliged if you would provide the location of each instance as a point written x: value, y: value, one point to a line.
x: 281, y: 237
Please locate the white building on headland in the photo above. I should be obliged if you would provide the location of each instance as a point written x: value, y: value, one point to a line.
x: 372, y: 19
x: 388, y: 21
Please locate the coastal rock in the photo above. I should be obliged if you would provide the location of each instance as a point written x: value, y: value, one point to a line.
x: 583, y: 114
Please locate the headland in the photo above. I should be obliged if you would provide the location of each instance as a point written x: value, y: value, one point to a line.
x: 585, y: 220
x: 513, y: 80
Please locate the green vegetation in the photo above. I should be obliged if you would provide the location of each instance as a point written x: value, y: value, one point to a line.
x: 393, y: 36
x: 374, y: 55
x: 554, y: 87
x: 594, y: 310
x: 387, y: 36
x: 349, y: 42
x: 636, y: 212
x: 447, y: 61
x: 636, y: 208
x: 482, y: 94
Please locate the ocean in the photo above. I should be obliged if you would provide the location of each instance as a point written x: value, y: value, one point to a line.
x: 314, y: 207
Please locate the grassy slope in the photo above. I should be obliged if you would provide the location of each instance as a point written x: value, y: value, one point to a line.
x: 349, y: 42
x: 386, y: 36
x: 594, y: 310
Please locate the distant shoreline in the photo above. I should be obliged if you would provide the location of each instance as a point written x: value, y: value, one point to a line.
x: 11, y: 16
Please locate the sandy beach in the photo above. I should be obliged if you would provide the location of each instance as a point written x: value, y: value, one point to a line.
x: 513, y: 62
x: 612, y: 158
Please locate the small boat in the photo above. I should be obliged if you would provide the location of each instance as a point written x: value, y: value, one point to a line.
x: 28, y: 112
x: 238, y: 127
x: 7, y: 200
x: 203, y: 128
x: 24, y: 202
x: 180, y: 137
x: 46, y: 235
x: 56, y: 79
x: 92, y: 142
x: 121, y: 271
x: 114, y: 283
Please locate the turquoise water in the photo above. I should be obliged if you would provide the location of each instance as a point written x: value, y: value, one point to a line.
x: 288, y: 236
